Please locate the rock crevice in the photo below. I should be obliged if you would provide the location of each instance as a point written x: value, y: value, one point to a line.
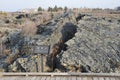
x: 68, y: 31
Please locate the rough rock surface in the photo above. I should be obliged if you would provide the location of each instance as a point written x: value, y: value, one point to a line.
x: 95, y: 47
x: 10, y: 45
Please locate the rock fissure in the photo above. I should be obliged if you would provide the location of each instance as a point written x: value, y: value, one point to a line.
x: 68, y: 32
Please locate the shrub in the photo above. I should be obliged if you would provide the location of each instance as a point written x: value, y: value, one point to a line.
x: 29, y: 28
x: 11, y: 58
x: 60, y: 8
x: 3, y: 13
x: 50, y: 9
x: 26, y: 50
x: 55, y: 8
x: 6, y: 52
x: 65, y: 8
x: 40, y: 9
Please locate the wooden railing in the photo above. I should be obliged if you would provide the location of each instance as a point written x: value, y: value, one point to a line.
x: 62, y: 74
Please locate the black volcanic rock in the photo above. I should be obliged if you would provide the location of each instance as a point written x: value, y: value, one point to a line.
x: 96, y: 47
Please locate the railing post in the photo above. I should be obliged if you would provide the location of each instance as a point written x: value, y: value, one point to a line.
x: 42, y: 63
x: 36, y: 65
x: 41, y: 50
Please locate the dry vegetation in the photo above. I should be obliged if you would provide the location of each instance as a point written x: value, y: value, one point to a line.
x: 29, y: 28
x: 108, y: 13
x: 6, y: 52
x: 3, y: 14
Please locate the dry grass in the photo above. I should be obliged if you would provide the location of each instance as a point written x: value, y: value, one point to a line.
x: 6, y: 52
x: 97, y: 12
x: 29, y: 28
x: 4, y: 14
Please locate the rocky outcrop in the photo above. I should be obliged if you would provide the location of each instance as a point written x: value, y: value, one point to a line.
x: 11, y: 45
x: 95, y: 47
x: 86, y: 43
x: 53, y: 34
x: 68, y: 31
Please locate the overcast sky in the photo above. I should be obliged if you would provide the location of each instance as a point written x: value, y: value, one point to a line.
x: 15, y: 5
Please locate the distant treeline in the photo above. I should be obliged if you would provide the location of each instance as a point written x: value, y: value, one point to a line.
x: 55, y: 8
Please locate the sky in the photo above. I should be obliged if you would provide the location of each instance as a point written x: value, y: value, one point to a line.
x: 16, y: 5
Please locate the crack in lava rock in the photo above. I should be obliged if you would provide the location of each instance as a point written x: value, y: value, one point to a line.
x: 68, y: 31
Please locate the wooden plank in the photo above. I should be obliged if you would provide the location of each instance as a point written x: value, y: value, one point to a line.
x: 107, y: 78
x: 79, y: 78
x: 9, y: 78
x: 17, y: 78
x: 27, y: 77
x: 53, y: 78
x: 101, y: 78
x: 34, y: 78
x: 4, y: 78
x: 37, y: 78
x: 84, y: 78
x: 48, y: 78
x: 117, y: 78
x: 112, y: 78
x: 94, y: 74
x: 95, y: 78
x: 20, y: 78
x: 43, y: 78
x: 73, y: 78
x: 58, y: 78
x: 89, y: 78
x: 69, y: 78
x: 63, y: 78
